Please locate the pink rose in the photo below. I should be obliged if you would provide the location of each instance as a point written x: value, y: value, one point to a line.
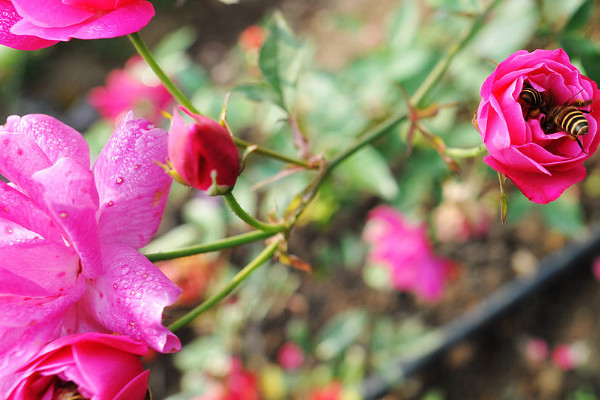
x: 33, y: 24
x: 86, y: 366
x: 542, y: 163
x: 203, y: 153
x: 290, y: 356
x: 126, y: 90
x: 406, y: 251
x: 68, y: 236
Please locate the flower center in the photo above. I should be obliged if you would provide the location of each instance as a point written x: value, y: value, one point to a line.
x: 67, y: 391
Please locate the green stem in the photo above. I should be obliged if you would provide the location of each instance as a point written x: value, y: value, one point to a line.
x: 465, y: 153
x: 226, y: 243
x: 237, y: 279
x: 249, y: 219
x: 303, y: 199
x: 144, y: 51
x: 368, y: 137
x: 146, y: 54
x: 271, y: 153
x: 442, y: 65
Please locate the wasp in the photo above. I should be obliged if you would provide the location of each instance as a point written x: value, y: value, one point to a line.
x: 568, y: 117
x: 533, y: 102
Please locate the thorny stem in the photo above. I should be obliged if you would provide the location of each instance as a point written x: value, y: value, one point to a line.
x: 232, y: 241
x: 302, y: 200
x: 442, y: 65
x: 247, y: 218
x: 146, y: 54
x: 263, y: 257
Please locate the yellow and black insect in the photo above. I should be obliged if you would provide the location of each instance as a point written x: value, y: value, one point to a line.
x: 570, y: 119
x: 534, y: 102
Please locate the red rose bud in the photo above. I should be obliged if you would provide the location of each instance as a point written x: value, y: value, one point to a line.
x: 202, y: 153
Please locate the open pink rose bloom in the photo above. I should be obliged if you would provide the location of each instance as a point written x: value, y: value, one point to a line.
x: 68, y: 236
x: 91, y: 365
x: 33, y: 24
x: 524, y: 142
x: 406, y: 251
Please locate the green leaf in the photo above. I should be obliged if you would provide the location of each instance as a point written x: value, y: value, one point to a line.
x: 280, y: 60
x: 580, y: 17
x: 585, y: 50
x: 259, y: 93
x: 564, y: 215
x: 175, y: 42
x: 368, y: 171
x: 340, y: 332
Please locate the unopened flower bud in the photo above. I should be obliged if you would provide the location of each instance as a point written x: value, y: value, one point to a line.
x: 202, y: 153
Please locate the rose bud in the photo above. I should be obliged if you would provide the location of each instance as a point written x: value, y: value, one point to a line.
x: 202, y: 154
x: 84, y: 366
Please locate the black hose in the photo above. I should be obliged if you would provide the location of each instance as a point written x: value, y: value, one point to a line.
x: 551, y: 268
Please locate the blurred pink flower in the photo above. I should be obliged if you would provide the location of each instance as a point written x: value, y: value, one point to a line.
x: 536, y: 350
x: 89, y: 365
x: 406, y: 251
x: 290, y: 356
x: 596, y: 268
x: 202, y: 153
x: 240, y: 384
x: 570, y: 356
x: 32, y: 24
x: 127, y: 89
x: 68, y: 236
x: 462, y: 214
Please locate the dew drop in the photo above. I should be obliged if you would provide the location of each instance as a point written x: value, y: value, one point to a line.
x: 115, y: 286
x: 120, y: 180
x: 110, y: 203
x: 132, y: 292
x: 145, y: 276
x: 136, y: 166
x: 63, y: 215
x: 132, y: 323
x: 9, y: 230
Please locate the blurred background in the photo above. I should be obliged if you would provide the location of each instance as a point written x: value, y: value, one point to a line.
x: 289, y: 334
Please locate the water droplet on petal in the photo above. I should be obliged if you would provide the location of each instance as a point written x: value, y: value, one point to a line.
x: 63, y: 215
x: 115, y: 286
x: 120, y: 180
x: 110, y: 203
x: 9, y: 230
